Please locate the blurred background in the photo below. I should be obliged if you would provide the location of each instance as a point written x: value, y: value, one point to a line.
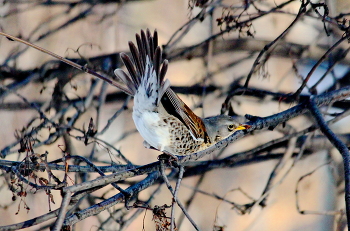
x: 211, y: 47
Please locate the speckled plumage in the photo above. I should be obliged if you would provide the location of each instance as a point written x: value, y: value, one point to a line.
x: 162, y: 118
x: 181, y: 140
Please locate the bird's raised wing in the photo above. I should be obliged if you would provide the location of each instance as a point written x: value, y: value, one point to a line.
x: 176, y: 107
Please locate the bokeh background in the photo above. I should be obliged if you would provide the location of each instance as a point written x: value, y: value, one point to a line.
x: 105, y: 28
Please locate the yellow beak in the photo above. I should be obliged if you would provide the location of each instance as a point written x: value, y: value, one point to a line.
x: 242, y: 127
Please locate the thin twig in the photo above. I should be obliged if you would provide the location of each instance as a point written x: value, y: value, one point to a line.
x: 257, y: 61
x: 73, y: 64
x: 330, y: 68
x: 332, y: 213
x: 325, y: 55
x: 177, y: 187
x: 162, y: 170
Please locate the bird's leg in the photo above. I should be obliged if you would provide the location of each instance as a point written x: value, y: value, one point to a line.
x: 168, y: 158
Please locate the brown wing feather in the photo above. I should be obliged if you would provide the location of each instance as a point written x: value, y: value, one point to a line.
x: 180, y: 110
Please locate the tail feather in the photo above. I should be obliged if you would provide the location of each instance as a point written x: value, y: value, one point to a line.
x: 163, y: 71
x: 145, y: 43
x: 130, y: 88
x: 147, y: 52
x: 137, y: 60
x: 156, y: 63
x: 141, y: 50
x: 150, y: 44
x: 155, y: 38
x: 131, y: 68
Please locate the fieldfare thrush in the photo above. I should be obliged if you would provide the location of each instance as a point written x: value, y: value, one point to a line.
x: 164, y: 121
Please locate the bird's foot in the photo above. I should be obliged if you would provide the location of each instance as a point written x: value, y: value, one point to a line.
x: 169, y: 159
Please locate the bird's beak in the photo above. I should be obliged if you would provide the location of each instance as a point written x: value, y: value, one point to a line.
x: 242, y: 127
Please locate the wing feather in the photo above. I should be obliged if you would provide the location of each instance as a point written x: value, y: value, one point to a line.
x: 184, y: 114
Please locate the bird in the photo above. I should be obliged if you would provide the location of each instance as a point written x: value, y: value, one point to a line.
x: 164, y: 121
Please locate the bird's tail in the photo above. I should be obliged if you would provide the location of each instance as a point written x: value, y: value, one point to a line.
x: 146, y: 70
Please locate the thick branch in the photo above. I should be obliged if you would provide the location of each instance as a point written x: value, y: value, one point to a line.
x: 93, y: 210
x: 272, y: 121
x: 342, y: 148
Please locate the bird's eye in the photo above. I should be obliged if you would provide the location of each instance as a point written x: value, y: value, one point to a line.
x: 231, y: 127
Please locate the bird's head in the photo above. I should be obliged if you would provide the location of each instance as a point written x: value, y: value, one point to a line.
x: 221, y: 126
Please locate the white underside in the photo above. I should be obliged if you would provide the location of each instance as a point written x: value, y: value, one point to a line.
x: 147, y: 123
